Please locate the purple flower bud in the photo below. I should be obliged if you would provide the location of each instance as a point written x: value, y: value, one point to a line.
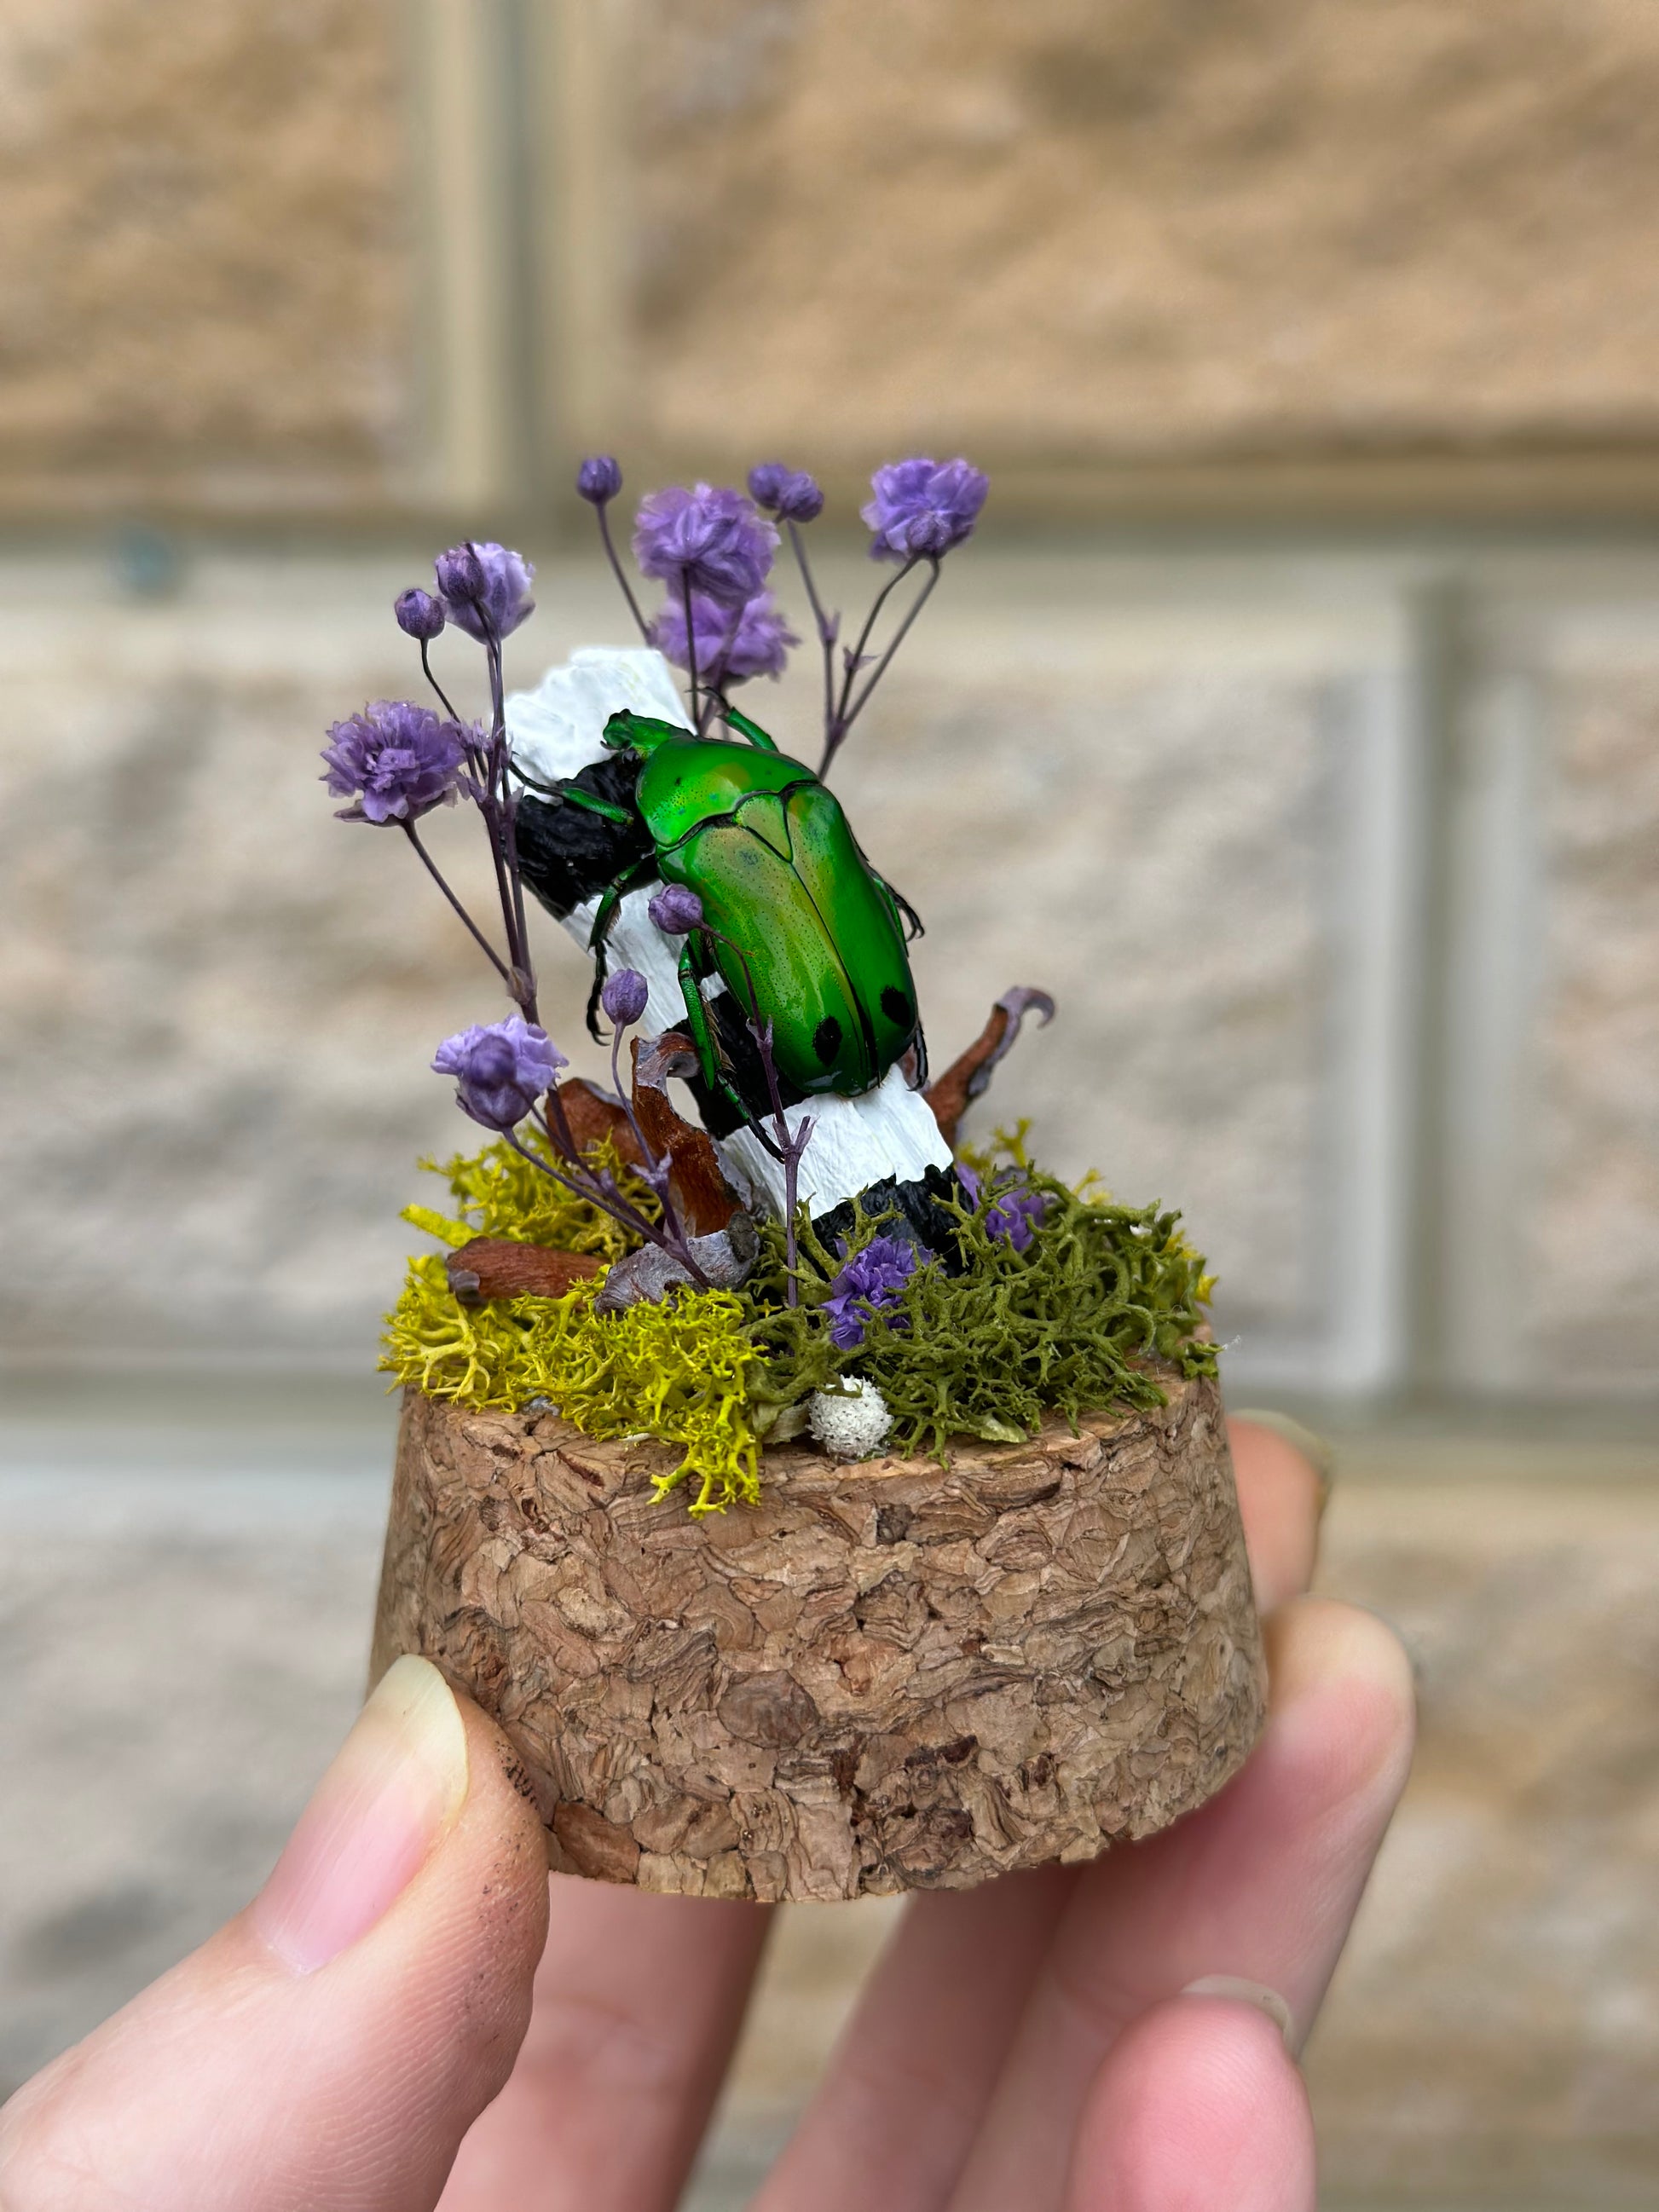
x: 395, y: 762
x: 921, y: 508
x: 871, y: 1279
x: 499, y: 1070
x: 461, y: 574
x: 1015, y: 1216
x: 756, y: 644
x: 599, y: 479
x: 714, y: 541
x: 1013, y: 1211
x: 624, y: 996
x: 675, y: 910
x: 485, y: 588
x: 418, y: 613
x: 790, y: 493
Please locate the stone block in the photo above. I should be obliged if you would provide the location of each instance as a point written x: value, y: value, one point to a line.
x: 202, y: 227
x: 1492, y: 2035
x: 1589, y: 1189
x: 1145, y: 232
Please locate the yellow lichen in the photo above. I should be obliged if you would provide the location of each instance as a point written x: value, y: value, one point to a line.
x: 499, y: 1194
x: 678, y: 1371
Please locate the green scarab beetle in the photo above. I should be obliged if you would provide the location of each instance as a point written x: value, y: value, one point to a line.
x: 797, y: 924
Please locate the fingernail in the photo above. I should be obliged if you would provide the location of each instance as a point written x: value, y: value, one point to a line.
x: 1236, y: 1990
x: 396, y: 1786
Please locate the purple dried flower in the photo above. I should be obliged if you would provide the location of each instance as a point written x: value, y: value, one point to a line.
x: 1015, y: 1214
x: 419, y: 615
x: 790, y: 493
x: 871, y: 1279
x: 499, y: 1070
x: 599, y: 479
x: 675, y: 910
x: 395, y: 762
x: 714, y: 540
x: 759, y: 647
x: 460, y: 573
x: 922, y: 508
x: 624, y: 996
x: 1014, y: 1211
x: 485, y: 588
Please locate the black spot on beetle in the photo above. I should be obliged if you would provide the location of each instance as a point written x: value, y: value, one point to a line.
x: 826, y: 1040
x: 896, y: 1005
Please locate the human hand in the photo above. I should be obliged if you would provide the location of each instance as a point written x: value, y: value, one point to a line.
x: 1027, y: 2043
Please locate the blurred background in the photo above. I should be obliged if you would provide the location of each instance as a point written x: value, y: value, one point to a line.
x: 1294, y: 717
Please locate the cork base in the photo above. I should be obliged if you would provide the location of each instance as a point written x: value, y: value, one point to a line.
x: 889, y: 1676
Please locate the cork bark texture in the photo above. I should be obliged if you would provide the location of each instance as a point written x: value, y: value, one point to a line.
x: 891, y: 1675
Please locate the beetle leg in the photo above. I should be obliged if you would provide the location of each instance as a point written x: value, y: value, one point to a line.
x: 904, y: 907
x: 586, y: 801
x: 605, y: 914
x: 702, y: 1036
x: 741, y: 723
x: 696, y: 1016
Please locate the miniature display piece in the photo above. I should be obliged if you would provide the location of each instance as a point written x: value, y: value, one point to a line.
x: 821, y: 1504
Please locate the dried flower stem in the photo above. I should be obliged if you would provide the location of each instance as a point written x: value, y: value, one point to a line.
x: 619, y: 572
x: 828, y: 627
x: 899, y: 636
x: 517, y: 926
x: 690, y: 642
x: 844, y: 714
x: 491, y: 788
x: 715, y: 683
x: 473, y: 930
x: 443, y: 696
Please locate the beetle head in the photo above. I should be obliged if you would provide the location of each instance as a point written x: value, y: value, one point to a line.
x: 627, y: 732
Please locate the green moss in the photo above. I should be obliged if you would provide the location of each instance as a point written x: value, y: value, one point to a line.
x: 1067, y: 1326
x: 1062, y: 1327
x: 678, y: 1371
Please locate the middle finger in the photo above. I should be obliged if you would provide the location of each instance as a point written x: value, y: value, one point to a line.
x: 638, y: 2003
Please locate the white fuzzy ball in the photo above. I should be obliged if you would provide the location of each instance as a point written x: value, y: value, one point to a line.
x: 851, y: 1427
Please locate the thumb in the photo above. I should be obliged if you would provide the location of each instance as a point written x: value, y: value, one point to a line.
x: 330, y: 2046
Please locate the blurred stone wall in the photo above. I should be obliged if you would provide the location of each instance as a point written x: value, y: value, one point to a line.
x: 1592, y: 1286
x: 1155, y: 229
x: 203, y: 237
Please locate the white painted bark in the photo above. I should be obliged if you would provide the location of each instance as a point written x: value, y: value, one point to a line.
x: 890, y: 1131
